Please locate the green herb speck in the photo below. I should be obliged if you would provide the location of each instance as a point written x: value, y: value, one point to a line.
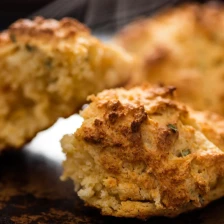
x: 13, y: 38
x: 48, y: 63
x: 172, y: 127
x: 201, y: 199
x: 185, y: 152
x: 29, y: 48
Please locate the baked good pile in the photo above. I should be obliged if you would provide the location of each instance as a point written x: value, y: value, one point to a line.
x: 154, y: 146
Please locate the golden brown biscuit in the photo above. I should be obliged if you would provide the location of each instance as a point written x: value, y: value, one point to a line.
x: 139, y: 154
x: 47, y: 69
x: 184, y: 47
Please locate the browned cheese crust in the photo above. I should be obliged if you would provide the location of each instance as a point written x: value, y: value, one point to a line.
x: 47, y: 69
x: 183, y: 47
x: 139, y: 153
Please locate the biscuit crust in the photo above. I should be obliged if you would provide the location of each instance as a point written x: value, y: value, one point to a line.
x: 47, y: 69
x: 139, y: 153
x: 182, y: 46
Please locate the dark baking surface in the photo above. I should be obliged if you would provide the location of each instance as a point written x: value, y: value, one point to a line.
x: 31, y: 192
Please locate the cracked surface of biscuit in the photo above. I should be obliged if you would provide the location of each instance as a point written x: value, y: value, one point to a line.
x: 139, y: 153
x: 183, y: 47
x: 47, y: 69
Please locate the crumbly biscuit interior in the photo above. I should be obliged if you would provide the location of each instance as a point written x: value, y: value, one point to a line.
x: 41, y: 82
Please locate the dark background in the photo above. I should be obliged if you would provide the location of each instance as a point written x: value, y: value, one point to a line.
x: 98, y: 14
x: 11, y: 10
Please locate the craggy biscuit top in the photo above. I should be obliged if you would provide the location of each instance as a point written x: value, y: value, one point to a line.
x: 139, y: 153
x: 44, y: 30
x: 117, y: 107
x: 199, y: 19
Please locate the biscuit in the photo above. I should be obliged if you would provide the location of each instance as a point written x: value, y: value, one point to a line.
x: 182, y: 46
x: 47, y: 69
x: 139, y: 153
